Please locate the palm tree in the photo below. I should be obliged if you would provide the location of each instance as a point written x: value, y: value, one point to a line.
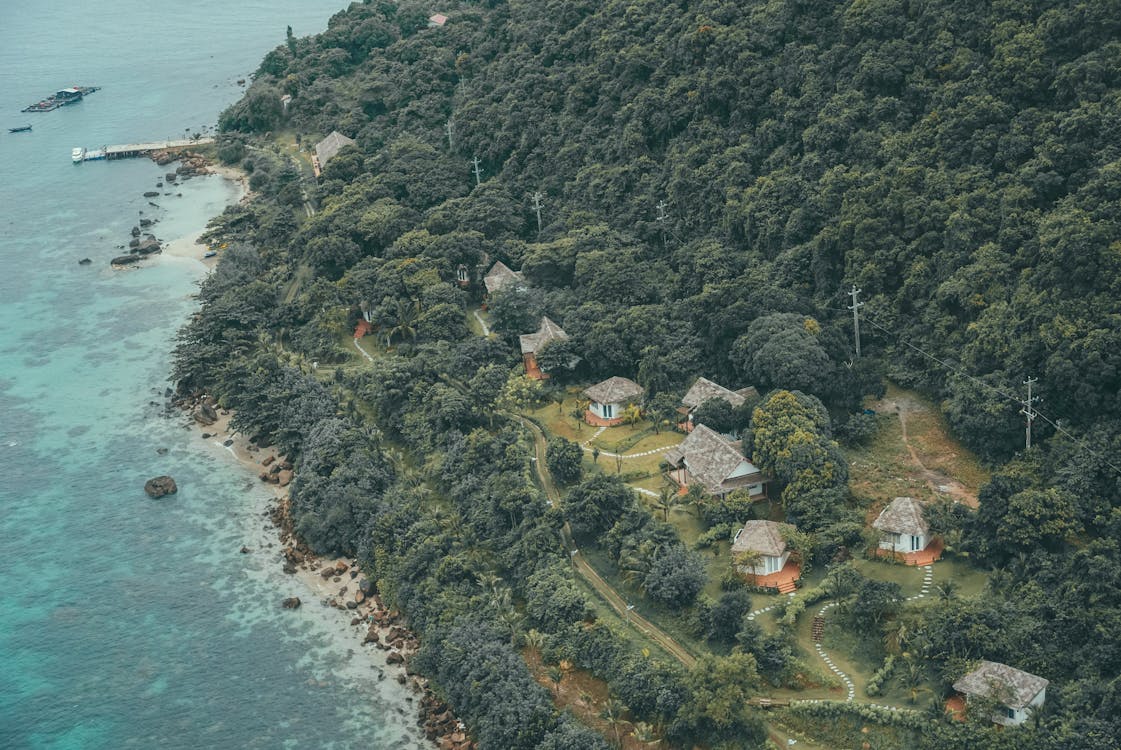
x: 643, y: 733
x: 947, y: 590
x: 612, y: 712
x: 556, y: 676
x: 404, y: 324
x: 632, y: 414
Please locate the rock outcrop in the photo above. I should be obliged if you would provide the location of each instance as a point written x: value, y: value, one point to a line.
x: 160, y: 486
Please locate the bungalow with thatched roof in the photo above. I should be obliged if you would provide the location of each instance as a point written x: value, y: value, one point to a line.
x: 532, y: 343
x: 771, y: 566
x: 608, y: 399
x: 328, y: 148
x: 906, y: 533
x: 714, y: 461
x: 500, y: 276
x: 1017, y: 692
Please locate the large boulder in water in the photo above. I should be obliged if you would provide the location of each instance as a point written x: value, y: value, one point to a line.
x: 147, y: 247
x: 124, y: 260
x: 160, y: 486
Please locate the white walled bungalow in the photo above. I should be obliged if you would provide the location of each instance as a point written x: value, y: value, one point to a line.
x: 763, y: 538
x: 714, y: 461
x: 903, y: 527
x: 609, y: 399
x: 1018, y: 692
x: 706, y: 390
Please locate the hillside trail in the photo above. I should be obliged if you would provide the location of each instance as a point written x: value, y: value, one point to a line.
x: 588, y: 573
x: 938, y: 482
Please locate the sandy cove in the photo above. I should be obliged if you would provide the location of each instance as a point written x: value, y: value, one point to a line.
x: 337, y: 583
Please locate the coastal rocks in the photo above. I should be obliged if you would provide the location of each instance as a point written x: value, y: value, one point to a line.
x: 160, y: 486
x: 292, y: 602
x: 124, y: 260
x: 84, y: 262
x: 151, y: 194
x: 205, y: 414
x: 283, y: 477
x: 144, y: 223
x: 146, y: 247
x: 394, y: 658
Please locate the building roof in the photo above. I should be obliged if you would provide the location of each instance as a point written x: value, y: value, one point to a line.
x: 549, y: 331
x: 614, y: 390
x: 706, y: 390
x: 764, y: 537
x: 327, y: 148
x: 1013, y: 687
x: 711, y: 459
x: 499, y: 276
x: 903, y: 515
x: 437, y: 19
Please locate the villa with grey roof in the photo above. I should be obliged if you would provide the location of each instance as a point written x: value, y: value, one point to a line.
x: 905, y: 533
x: 1018, y: 692
x: 608, y: 400
x: 531, y: 343
x: 716, y: 463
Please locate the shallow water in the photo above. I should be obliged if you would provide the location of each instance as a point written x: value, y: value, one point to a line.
x: 126, y: 621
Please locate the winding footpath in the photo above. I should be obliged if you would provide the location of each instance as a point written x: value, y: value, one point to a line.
x: 483, y: 323
x: 928, y: 579
x: 586, y: 445
x: 588, y: 573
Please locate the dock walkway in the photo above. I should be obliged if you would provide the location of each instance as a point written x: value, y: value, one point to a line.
x: 128, y: 150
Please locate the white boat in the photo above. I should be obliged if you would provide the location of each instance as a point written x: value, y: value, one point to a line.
x: 78, y: 155
x: 95, y: 154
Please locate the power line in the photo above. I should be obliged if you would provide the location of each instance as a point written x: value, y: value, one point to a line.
x: 1035, y: 413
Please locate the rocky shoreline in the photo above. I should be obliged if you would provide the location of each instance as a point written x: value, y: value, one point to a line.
x: 338, y: 583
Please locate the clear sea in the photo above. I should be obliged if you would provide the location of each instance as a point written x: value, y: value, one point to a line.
x: 126, y: 621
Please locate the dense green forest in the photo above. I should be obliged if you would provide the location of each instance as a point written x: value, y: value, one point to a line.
x: 714, y: 177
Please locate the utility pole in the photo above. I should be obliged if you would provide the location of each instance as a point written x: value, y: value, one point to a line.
x: 478, y: 171
x: 1028, y: 411
x: 855, y: 307
x: 662, y: 217
x: 448, y: 130
x: 537, y: 205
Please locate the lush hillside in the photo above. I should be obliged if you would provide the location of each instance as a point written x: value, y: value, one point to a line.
x: 714, y: 176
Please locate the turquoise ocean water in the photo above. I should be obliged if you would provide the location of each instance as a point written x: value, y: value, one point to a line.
x: 125, y: 621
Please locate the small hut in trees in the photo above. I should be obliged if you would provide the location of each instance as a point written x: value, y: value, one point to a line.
x: 328, y: 148
x: 532, y: 343
x: 706, y: 390
x: 499, y: 277
x: 1016, y: 693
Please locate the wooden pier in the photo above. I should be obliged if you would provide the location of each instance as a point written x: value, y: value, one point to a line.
x: 129, y: 150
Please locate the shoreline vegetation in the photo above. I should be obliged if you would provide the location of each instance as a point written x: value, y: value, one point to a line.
x: 335, y: 582
x: 684, y: 193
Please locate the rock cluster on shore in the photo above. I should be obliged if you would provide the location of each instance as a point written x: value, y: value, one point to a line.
x: 384, y: 628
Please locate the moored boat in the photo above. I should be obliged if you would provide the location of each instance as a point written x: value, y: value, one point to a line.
x: 22, y: 129
x: 78, y: 155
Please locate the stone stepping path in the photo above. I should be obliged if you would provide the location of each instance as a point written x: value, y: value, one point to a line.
x: 829, y: 661
x: 758, y: 612
x: 927, y: 580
